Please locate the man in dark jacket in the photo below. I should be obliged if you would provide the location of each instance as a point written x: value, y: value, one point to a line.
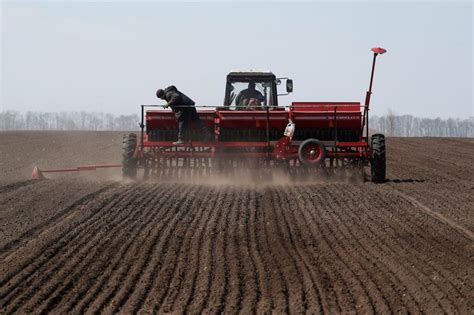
x: 249, y: 96
x: 184, y: 110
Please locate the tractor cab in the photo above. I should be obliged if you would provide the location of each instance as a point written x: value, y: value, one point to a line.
x: 251, y: 90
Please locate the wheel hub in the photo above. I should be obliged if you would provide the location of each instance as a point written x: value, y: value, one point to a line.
x: 312, y: 152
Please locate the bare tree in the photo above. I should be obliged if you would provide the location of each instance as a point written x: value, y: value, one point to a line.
x: 391, y: 119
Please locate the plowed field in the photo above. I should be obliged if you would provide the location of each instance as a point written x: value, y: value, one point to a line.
x: 82, y: 244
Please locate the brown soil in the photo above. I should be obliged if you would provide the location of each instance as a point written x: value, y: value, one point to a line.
x: 75, y: 244
x: 20, y: 151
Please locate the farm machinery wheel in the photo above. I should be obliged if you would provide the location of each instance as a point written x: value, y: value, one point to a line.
x: 311, y: 152
x: 129, y: 163
x: 377, y: 164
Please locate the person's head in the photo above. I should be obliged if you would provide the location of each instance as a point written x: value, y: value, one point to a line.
x: 160, y: 94
x: 251, y: 85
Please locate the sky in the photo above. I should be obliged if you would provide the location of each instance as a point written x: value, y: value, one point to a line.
x: 108, y: 56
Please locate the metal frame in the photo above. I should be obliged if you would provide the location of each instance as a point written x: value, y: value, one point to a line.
x: 335, y: 149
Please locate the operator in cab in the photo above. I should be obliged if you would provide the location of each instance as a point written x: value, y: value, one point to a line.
x: 184, y: 111
x: 249, y: 97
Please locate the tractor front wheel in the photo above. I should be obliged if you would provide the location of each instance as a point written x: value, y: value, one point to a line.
x: 129, y: 163
x: 377, y: 165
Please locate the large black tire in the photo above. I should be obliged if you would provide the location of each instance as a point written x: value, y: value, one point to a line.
x: 312, y: 152
x: 129, y: 163
x: 378, y: 164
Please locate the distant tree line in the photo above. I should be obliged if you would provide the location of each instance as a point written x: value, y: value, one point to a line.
x: 390, y: 124
x: 13, y: 120
x: 410, y: 126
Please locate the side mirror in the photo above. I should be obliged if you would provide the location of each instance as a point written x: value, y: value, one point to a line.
x: 289, y: 86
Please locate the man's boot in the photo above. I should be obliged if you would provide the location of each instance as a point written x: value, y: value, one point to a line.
x: 178, y: 142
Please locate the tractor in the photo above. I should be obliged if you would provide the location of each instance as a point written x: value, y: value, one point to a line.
x: 258, y: 134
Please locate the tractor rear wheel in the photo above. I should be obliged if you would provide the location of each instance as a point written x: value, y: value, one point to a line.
x: 129, y: 163
x: 377, y: 165
x: 312, y: 152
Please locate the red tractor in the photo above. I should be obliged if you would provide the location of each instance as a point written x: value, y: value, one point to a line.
x: 258, y: 134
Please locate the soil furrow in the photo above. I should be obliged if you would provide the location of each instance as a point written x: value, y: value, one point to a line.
x: 93, y: 293
x: 413, y: 227
x: 265, y: 304
x: 300, y: 243
x: 45, y: 253
x: 193, y: 292
x: 218, y: 279
x: 380, y: 253
x: 251, y: 289
x: 122, y: 266
x: 131, y: 271
x: 347, y: 287
x: 280, y: 291
x: 233, y: 298
x: 392, y: 250
x: 419, y: 221
x: 35, y: 231
x: 296, y: 278
x: 176, y: 247
x: 412, y: 257
x: 38, y: 229
x: 370, y: 299
x: 462, y: 230
x: 14, y: 186
x: 366, y: 255
x: 189, y: 264
x: 87, y: 239
x: 223, y: 287
x: 256, y: 269
x: 117, y: 245
x: 319, y: 245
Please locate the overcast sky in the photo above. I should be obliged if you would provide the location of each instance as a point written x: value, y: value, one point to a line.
x: 112, y: 56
